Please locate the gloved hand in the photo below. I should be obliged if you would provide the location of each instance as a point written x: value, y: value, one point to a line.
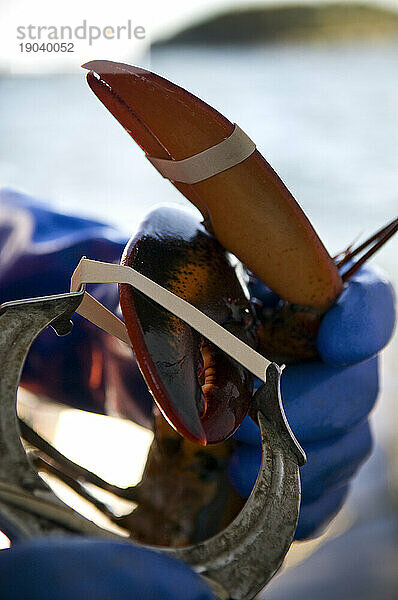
x: 327, y: 402
x: 73, y: 568
x: 39, y: 250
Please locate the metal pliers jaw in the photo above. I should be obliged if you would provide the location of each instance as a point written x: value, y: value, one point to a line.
x: 238, y: 561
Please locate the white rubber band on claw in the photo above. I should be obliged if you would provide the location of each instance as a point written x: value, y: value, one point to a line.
x: 92, y: 271
x: 224, y: 155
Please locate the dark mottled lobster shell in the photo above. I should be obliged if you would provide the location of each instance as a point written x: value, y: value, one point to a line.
x: 201, y: 391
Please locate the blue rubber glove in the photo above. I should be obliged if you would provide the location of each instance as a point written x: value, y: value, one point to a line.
x: 81, y: 568
x: 327, y: 402
x: 39, y: 250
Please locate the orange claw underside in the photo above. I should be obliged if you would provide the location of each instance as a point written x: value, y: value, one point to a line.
x: 251, y: 211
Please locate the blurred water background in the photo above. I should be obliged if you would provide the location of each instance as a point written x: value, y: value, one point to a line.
x: 325, y: 115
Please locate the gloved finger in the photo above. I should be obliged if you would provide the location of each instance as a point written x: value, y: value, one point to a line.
x: 334, y: 462
x: 70, y: 568
x: 322, y: 402
x: 248, y: 432
x: 328, y: 463
x: 243, y: 468
x: 361, y: 322
x: 261, y: 292
x: 315, y: 516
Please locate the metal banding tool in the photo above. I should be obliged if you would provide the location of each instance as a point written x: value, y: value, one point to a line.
x: 239, y: 560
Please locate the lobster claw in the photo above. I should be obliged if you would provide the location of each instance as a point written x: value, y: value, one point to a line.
x: 201, y: 391
x: 248, y: 207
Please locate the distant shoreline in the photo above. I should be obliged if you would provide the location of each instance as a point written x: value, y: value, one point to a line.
x: 270, y: 24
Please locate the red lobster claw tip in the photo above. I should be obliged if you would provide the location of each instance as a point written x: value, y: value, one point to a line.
x: 104, y: 67
x: 109, y: 66
x: 149, y: 107
x: 186, y: 422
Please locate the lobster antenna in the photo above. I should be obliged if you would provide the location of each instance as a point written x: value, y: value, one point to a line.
x: 376, y: 241
x: 338, y: 258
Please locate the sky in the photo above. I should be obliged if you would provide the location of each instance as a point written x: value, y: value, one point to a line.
x: 156, y: 17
